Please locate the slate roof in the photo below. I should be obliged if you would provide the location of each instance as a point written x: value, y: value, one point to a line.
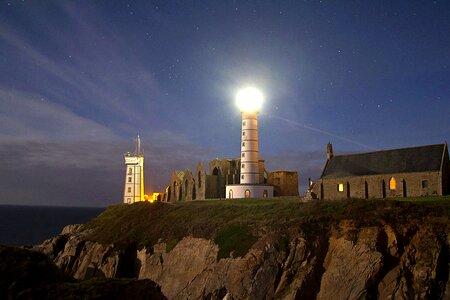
x: 407, y: 160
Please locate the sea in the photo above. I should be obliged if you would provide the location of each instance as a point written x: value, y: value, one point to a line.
x: 31, y: 225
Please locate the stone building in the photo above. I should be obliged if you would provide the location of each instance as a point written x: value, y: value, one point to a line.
x: 186, y: 186
x: 408, y: 172
x: 285, y: 183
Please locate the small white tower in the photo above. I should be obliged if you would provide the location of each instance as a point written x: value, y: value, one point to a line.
x: 134, y: 177
x: 249, y: 101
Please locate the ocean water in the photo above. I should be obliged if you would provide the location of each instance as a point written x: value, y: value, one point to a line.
x: 31, y: 225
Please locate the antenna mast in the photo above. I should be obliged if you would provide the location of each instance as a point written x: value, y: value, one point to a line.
x: 138, y: 145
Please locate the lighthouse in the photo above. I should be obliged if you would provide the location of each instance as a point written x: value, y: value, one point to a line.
x: 249, y: 101
x: 134, y: 176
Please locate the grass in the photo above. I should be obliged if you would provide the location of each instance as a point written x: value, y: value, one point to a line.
x: 234, y: 239
x: 235, y: 224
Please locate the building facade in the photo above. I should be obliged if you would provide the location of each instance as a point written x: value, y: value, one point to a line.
x: 408, y: 172
x: 134, y: 176
x: 211, y: 183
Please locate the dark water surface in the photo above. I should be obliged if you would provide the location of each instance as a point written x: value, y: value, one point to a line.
x: 30, y: 225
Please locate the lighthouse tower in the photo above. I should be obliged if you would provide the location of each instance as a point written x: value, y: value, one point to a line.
x: 249, y: 101
x: 134, y: 176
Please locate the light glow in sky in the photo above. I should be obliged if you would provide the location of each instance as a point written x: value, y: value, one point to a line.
x: 249, y: 99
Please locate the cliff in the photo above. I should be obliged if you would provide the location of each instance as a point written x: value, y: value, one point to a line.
x: 267, y: 249
x: 26, y: 274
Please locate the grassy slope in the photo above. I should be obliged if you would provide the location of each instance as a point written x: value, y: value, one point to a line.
x: 235, y: 224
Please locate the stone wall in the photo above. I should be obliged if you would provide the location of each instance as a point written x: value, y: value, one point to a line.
x: 378, y: 186
x: 200, y: 181
x: 285, y: 183
x: 186, y: 186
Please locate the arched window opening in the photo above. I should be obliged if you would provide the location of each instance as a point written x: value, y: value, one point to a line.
x: 186, y: 188
x: 230, y: 194
x: 216, y: 171
x: 130, y: 171
x: 194, y: 196
x: 168, y: 195
x: 265, y: 194
x: 247, y: 194
x: 392, y: 184
x: 199, y: 179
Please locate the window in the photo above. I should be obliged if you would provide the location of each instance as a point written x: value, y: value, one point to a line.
x: 244, y: 123
x: 392, y: 184
x: 242, y: 176
x: 340, y: 187
x: 130, y: 171
x: 243, y: 166
x: 230, y: 194
x: 265, y: 194
x: 243, y: 133
x: 129, y: 179
x: 129, y: 200
x: 243, y: 144
x: 247, y: 193
x: 199, y: 179
x: 424, y: 184
x: 129, y: 190
x: 243, y: 154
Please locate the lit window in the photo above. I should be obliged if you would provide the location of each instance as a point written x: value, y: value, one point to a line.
x: 230, y: 194
x: 243, y: 154
x: 247, y: 193
x: 130, y: 171
x: 392, y: 183
x: 424, y: 184
x: 243, y: 166
x: 129, y: 179
x: 129, y: 190
x: 340, y: 187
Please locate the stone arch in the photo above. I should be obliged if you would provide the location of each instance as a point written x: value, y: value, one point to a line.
x: 168, y: 194
x: 216, y: 171
x: 200, y: 182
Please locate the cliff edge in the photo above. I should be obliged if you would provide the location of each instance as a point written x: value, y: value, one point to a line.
x: 267, y: 249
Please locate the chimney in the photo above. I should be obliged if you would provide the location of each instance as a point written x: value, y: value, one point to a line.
x: 329, y: 151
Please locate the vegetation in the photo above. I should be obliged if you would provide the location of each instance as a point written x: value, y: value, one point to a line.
x: 234, y: 225
x: 234, y: 239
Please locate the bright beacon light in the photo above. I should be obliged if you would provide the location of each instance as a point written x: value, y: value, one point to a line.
x: 249, y: 100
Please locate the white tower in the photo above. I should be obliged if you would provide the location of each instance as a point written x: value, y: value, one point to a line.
x: 134, y: 177
x: 249, y: 101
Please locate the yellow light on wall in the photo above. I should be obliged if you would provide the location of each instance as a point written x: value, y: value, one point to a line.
x: 392, y: 183
x: 340, y: 187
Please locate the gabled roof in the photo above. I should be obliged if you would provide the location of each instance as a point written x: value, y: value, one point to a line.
x: 406, y: 160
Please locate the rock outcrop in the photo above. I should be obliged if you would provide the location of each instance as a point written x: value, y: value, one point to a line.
x: 345, y: 262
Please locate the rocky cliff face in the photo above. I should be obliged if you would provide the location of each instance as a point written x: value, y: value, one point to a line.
x: 345, y: 262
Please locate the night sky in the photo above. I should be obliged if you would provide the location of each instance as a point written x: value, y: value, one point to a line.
x: 80, y: 79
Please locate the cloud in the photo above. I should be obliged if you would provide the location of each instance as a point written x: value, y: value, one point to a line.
x: 88, y: 68
x: 51, y: 155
